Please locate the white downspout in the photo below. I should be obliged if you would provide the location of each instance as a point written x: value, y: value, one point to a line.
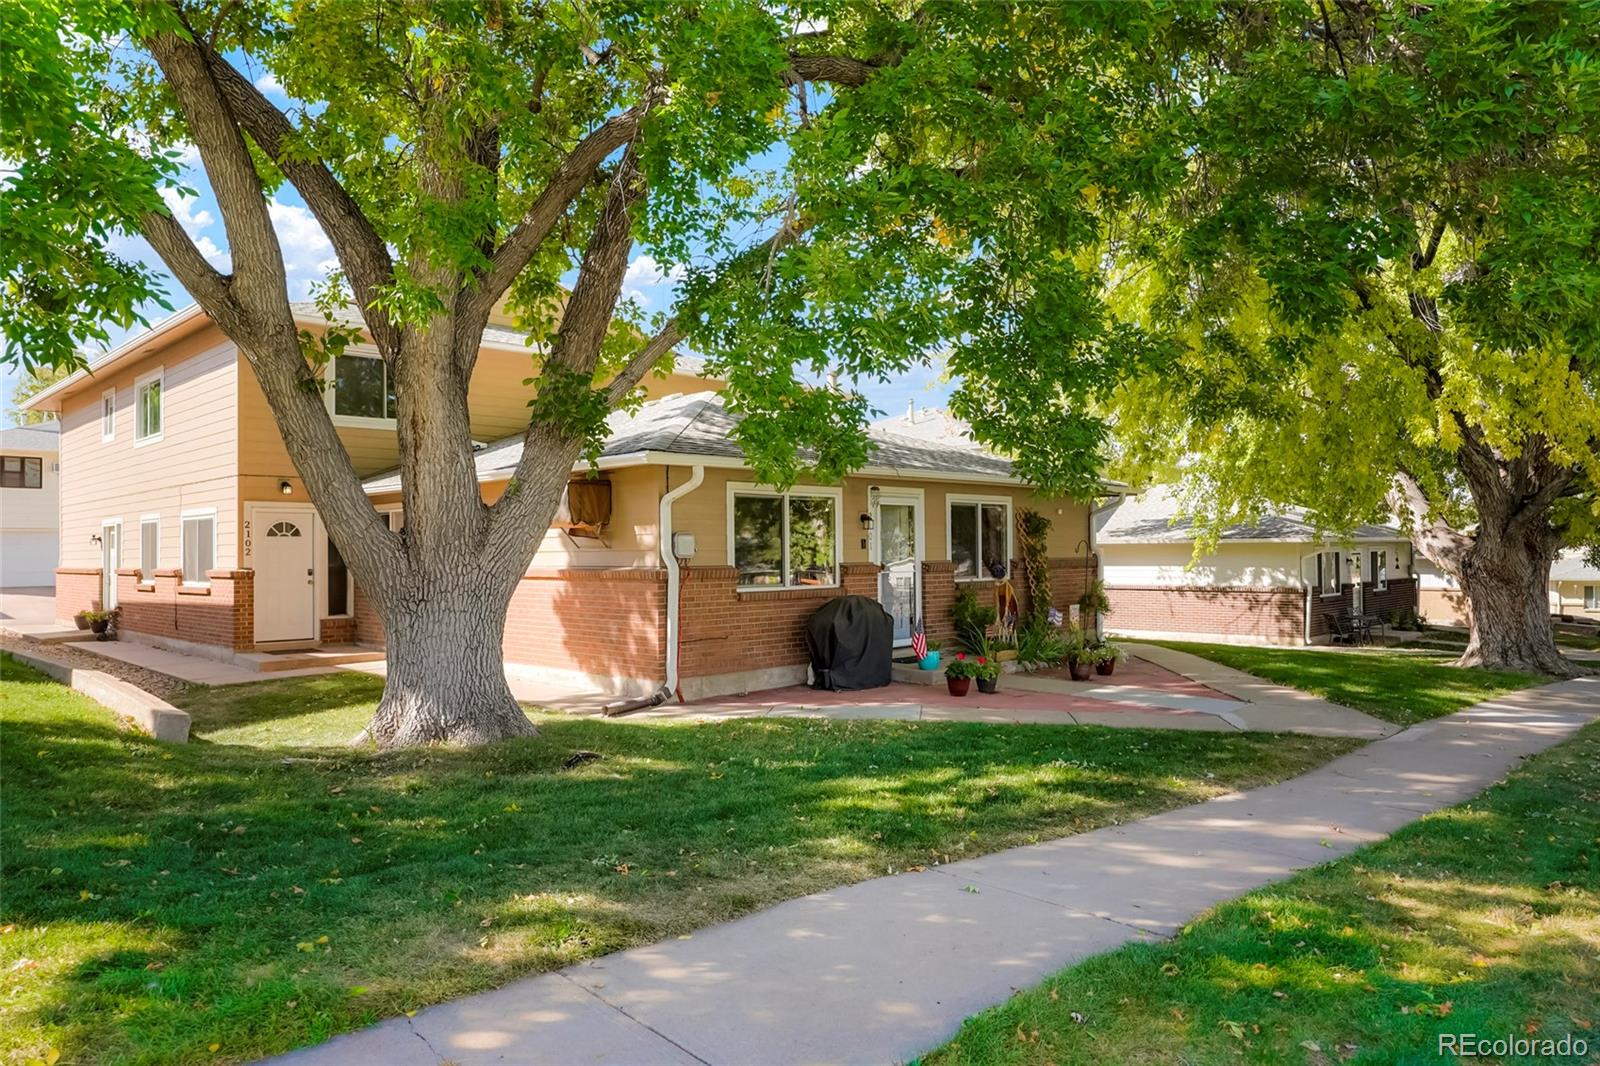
x: 669, y: 687
x: 697, y: 474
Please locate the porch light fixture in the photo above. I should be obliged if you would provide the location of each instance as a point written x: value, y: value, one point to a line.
x: 866, y: 520
x: 286, y: 488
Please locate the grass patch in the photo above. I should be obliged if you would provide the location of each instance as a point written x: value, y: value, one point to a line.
x: 252, y: 894
x: 1577, y: 640
x: 1403, y: 687
x: 1483, y: 918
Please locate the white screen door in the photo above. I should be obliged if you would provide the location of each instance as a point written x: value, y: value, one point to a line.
x: 900, y: 581
x: 110, y: 559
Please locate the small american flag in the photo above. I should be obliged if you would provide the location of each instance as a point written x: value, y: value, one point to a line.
x: 919, y: 640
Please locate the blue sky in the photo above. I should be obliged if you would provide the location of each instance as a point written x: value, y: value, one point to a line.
x: 308, y: 256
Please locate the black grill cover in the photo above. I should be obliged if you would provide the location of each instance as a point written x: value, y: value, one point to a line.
x: 852, y: 643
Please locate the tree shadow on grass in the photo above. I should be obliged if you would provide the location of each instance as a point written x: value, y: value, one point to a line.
x: 185, y: 892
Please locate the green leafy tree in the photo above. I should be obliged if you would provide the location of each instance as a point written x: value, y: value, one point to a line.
x: 29, y: 386
x: 1380, y: 282
x: 852, y: 186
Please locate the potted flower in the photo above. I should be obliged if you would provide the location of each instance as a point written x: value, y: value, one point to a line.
x: 100, y: 622
x: 1106, y: 657
x: 959, y: 672
x: 930, y: 661
x: 987, y: 674
x: 81, y: 619
x: 1075, y: 653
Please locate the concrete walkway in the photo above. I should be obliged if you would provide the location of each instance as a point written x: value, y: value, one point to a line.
x: 1267, y: 706
x: 881, y: 971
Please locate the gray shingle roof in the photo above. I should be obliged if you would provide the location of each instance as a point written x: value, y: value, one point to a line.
x: 44, y: 437
x: 1153, y: 518
x: 1569, y: 566
x: 699, y: 424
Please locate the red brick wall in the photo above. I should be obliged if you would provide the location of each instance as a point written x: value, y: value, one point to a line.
x: 222, y: 614
x: 336, y: 630
x: 77, y: 589
x: 1400, y: 595
x: 726, y: 631
x: 1272, y: 614
x: 1069, y: 578
x: 605, y: 622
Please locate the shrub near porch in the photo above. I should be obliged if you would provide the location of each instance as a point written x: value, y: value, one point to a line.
x: 264, y: 888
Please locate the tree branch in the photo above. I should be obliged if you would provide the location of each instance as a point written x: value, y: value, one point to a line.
x: 839, y: 70
x: 1439, y: 542
x: 363, y: 256
x: 569, y: 179
x: 203, y: 281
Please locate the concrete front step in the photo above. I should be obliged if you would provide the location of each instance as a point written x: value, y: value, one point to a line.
x: 271, y: 662
x: 911, y: 674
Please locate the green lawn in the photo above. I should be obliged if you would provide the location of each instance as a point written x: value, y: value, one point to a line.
x: 1483, y: 918
x: 1403, y: 687
x: 248, y: 894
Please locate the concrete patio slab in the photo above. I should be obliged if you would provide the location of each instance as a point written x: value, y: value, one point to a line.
x: 882, y: 970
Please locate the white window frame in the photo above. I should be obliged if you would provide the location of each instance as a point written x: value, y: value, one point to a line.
x: 1591, y: 597
x: 746, y: 488
x: 355, y: 351
x: 394, y: 514
x: 148, y: 567
x: 108, y: 425
x: 950, y: 502
x: 1322, y: 584
x: 159, y: 377
x: 324, y: 564
x: 183, y: 543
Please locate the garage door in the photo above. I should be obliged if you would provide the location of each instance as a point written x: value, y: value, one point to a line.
x: 27, y: 559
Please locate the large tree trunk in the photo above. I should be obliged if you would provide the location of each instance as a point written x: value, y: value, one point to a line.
x: 446, y: 680
x: 1506, y: 580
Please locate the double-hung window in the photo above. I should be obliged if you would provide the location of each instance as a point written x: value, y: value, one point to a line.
x: 199, y: 546
x: 780, y: 539
x: 362, y: 387
x: 1328, y: 573
x: 21, y: 472
x: 1591, y: 597
x: 108, y: 415
x: 980, y: 537
x: 149, y: 546
x: 147, y: 408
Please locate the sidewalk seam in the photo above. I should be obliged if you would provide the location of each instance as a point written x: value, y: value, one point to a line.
x: 642, y: 1024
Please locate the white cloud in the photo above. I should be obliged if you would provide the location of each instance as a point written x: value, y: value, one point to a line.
x: 653, y: 287
x: 194, y: 219
x: 307, y: 253
x: 268, y: 83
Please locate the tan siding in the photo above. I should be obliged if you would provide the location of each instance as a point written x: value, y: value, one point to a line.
x: 190, y: 468
x: 704, y: 513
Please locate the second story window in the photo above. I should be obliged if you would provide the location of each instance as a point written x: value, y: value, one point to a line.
x: 21, y: 472
x: 361, y: 387
x: 147, y: 408
x: 108, y: 415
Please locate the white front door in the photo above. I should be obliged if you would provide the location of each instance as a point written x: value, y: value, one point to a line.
x: 110, y: 559
x: 898, y: 549
x: 285, y: 564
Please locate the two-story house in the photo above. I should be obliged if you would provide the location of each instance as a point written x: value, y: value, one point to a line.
x: 181, y: 508
x: 28, y: 498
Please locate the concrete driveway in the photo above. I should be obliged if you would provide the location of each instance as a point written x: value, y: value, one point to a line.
x: 31, y: 605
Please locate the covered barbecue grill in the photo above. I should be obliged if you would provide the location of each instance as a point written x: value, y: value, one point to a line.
x: 852, y: 644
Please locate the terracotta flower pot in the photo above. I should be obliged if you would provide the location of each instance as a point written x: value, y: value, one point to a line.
x: 1105, y: 669
x: 958, y: 686
x: 83, y: 623
x: 988, y: 684
x: 1080, y: 671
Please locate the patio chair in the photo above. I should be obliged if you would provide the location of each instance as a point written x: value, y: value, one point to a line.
x: 1340, y: 629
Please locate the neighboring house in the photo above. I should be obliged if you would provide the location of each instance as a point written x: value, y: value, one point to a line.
x: 1439, y: 598
x: 183, y: 509
x: 28, y: 495
x: 1574, y: 587
x: 1276, y: 581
